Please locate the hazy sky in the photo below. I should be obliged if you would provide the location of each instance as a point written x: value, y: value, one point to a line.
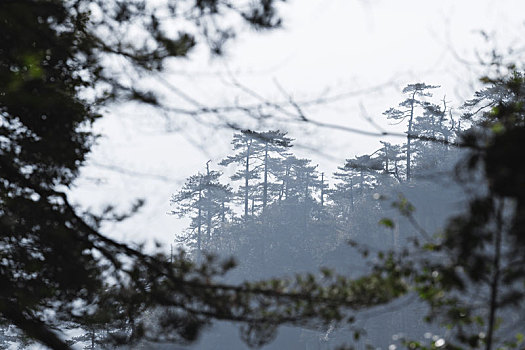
x: 366, y: 49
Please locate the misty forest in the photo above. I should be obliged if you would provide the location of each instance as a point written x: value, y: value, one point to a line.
x: 418, y: 243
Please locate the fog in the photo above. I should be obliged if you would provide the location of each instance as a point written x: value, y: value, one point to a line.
x: 297, y: 218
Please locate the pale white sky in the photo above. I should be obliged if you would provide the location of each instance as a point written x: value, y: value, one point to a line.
x: 327, y: 47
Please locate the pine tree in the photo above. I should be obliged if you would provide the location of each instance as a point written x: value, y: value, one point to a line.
x: 368, y: 169
x: 247, y: 149
x: 436, y: 133
x: 300, y: 177
x: 217, y: 198
x: 259, y: 154
x: 407, y: 109
x: 274, y: 145
x: 344, y: 194
x: 392, y: 158
x: 205, y: 200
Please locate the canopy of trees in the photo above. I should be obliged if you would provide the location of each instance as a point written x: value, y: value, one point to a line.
x: 469, y: 273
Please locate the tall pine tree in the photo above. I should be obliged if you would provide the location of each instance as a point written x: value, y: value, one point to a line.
x: 406, y: 110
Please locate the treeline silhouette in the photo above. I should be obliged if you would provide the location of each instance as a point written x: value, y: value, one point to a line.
x: 279, y: 214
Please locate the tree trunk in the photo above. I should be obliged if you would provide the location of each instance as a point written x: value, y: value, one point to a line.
x: 386, y: 159
x: 265, y: 184
x: 305, y: 204
x: 409, y: 136
x: 246, y: 179
x: 208, y: 206
x: 352, y: 193
x: 322, y: 189
x: 285, y: 181
x: 199, y: 222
